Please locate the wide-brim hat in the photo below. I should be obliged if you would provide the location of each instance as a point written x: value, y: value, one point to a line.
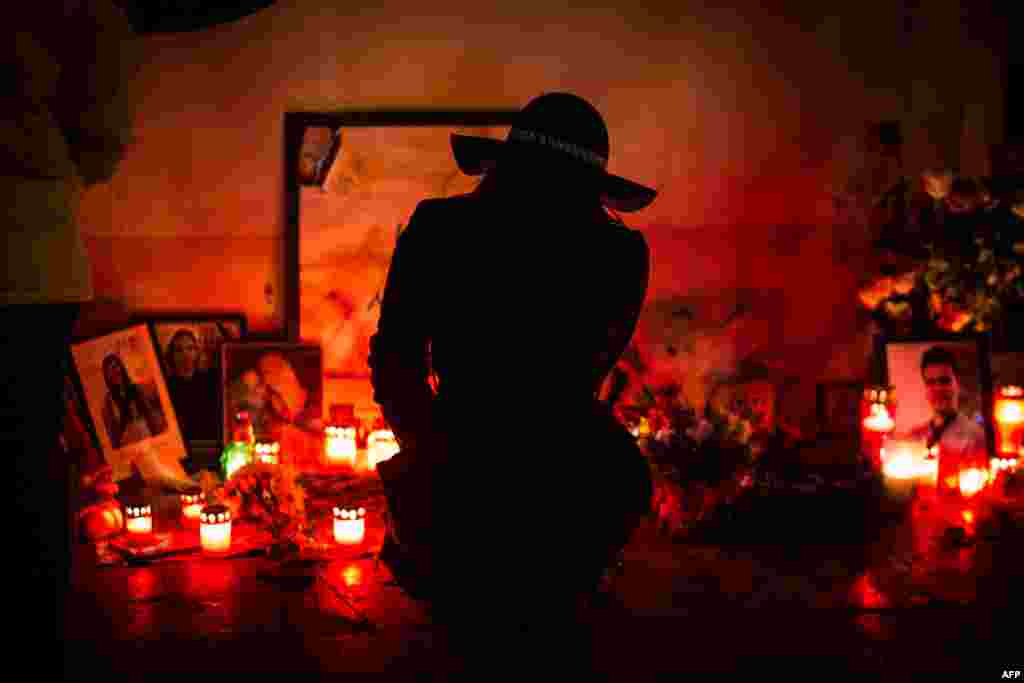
x: 561, y: 123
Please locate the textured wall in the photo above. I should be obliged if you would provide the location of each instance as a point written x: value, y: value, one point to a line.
x: 745, y: 119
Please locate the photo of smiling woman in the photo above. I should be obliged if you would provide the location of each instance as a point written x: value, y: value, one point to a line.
x: 134, y: 423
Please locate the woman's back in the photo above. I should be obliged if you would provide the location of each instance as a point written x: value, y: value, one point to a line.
x: 523, y: 297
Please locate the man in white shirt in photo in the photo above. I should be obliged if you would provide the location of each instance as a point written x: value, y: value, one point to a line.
x: 960, y: 438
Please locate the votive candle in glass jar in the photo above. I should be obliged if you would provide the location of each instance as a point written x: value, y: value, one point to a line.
x: 215, y: 529
x: 349, y: 525
x: 138, y: 519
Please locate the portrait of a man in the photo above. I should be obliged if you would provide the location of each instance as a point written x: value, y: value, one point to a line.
x: 956, y: 432
x: 938, y: 394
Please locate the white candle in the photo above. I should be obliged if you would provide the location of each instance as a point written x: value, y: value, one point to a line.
x: 139, y: 519
x: 191, y: 506
x: 340, y: 445
x: 381, y: 445
x: 349, y: 526
x: 215, y: 529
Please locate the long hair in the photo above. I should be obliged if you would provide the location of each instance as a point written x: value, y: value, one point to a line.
x: 169, y: 353
x: 128, y: 392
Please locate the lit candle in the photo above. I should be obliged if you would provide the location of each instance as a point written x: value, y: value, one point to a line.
x: 215, y: 528
x: 138, y: 519
x: 1009, y: 418
x: 341, y: 436
x: 905, y: 465
x: 340, y: 445
x: 349, y: 525
x: 381, y: 445
x: 268, y: 453
x: 192, y: 505
x: 877, y: 408
x: 972, y: 480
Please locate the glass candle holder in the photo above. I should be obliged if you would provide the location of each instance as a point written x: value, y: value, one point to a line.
x: 138, y: 519
x: 877, y: 410
x: 381, y: 445
x: 215, y: 529
x: 1008, y: 414
x: 906, y: 465
x: 349, y: 525
x: 340, y: 445
x: 268, y: 452
x: 191, y: 505
x: 972, y: 481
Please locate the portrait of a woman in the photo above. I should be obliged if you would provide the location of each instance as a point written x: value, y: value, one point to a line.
x: 194, y: 389
x: 131, y: 411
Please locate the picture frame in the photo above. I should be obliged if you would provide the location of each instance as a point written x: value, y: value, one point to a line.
x: 77, y: 439
x: 900, y: 363
x: 196, y: 392
x: 837, y: 407
x: 280, y: 385
x: 350, y: 187
x: 119, y: 377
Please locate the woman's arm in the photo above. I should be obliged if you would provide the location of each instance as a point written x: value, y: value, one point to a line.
x: 624, y: 309
x: 399, y: 350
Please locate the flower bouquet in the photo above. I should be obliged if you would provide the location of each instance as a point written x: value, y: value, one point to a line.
x: 696, y: 461
x: 265, y: 494
x: 958, y: 253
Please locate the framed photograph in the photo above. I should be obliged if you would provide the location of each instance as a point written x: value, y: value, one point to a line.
x: 280, y: 385
x: 189, y: 348
x: 352, y: 180
x: 838, y: 409
x: 130, y: 409
x: 940, y: 377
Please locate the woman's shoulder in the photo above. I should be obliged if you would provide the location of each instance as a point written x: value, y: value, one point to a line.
x: 432, y: 206
x: 624, y: 240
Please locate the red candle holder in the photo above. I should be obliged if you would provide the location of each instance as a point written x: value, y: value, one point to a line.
x: 877, y: 415
x: 1008, y: 414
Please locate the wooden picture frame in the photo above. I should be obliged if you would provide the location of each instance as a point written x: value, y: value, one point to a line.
x: 197, y: 397
x: 346, y: 200
x: 119, y: 377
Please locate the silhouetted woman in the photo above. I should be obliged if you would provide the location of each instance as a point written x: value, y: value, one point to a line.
x: 515, y: 488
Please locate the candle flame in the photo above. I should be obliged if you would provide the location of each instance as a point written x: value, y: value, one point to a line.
x: 879, y: 420
x: 972, y: 480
